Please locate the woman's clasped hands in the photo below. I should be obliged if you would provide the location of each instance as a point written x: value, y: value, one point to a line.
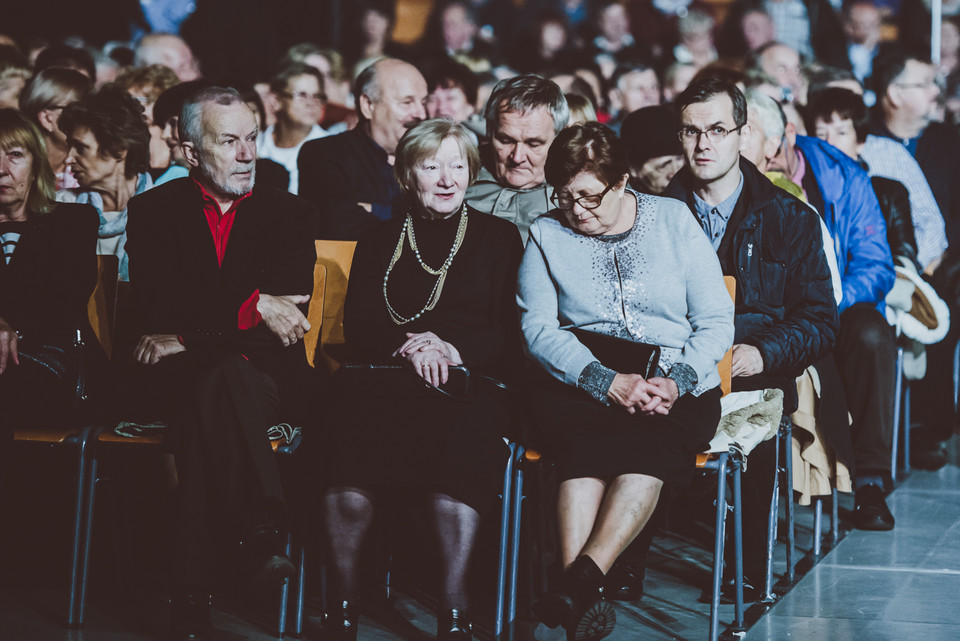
x: 648, y: 396
x: 430, y: 356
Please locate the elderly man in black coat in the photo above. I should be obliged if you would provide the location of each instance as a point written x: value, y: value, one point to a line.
x: 221, y: 274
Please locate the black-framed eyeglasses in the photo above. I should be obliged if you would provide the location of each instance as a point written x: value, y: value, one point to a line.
x: 591, y: 201
x: 714, y: 134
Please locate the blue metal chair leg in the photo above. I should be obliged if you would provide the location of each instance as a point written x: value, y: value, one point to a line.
x: 906, y: 426
x: 284, y: 594
x: 504, y: 542
x: 718, y: 546
x: 772, y: 518
x: 80, y: 518
x: 301, y: 592
x: 738, y: 544
x: 817, y: 524
x: 897, y: 391
x: 834, y: 517
x: 789, y: 504
x: 516, y: 509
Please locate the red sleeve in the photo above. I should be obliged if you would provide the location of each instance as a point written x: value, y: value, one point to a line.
x: 249, y: 317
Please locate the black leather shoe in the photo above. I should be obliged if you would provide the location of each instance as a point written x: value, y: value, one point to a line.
x: 190, y: 617
x: 578, y: 603
x: 453, y: 625
x: 871, y: 511
x: 340, y: 624
x: 264, y: 564
x: 624, y: 582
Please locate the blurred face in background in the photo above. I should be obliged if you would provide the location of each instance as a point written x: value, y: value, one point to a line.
x: 840, y: 133
x: 458, y: 28
x: 862, y: 24
x: 450, y: 103
x: 614, y: 24
x: 915, y: 91
x: 758, y: 29
x: 302, y: 102
x: 638, y: 89
x: 783, y: 65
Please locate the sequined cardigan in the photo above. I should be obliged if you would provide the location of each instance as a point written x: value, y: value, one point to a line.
x: 658, y: 283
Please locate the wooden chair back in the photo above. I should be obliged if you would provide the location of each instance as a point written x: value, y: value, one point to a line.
x: 315, y: 311
x: 725, y: 364
x: 102, y: 306
x: 337, y: 257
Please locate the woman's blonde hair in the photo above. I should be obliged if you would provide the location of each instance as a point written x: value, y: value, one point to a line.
x: 17, y: 131
x: 423, y: 140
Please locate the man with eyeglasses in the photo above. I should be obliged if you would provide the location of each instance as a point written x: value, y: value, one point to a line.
x: 785, y: 316
x: 299, y: 91
x: 907, y: 112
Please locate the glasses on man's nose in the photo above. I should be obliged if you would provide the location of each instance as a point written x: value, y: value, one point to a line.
x: 714, y: 134
x: 591, y: 201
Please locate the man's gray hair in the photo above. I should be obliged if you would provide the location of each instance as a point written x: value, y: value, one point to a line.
x: 190, y: 126
x: 367, y: 84
x: 769, y: 113
x: 526, y: 93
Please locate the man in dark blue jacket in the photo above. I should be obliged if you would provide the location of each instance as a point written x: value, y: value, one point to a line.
x: 786, y: 314
x: 866, y: 349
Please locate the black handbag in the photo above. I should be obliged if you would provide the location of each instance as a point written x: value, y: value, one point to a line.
x: 401, y: 381
x: 619, y: 354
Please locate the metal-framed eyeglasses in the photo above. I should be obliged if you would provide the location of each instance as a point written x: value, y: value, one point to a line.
x: 590, y: 201
x: 714, y: 134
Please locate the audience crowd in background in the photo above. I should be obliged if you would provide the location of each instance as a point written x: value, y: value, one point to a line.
x: 815, y: 142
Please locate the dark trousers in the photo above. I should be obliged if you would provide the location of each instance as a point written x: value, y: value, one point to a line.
x: 932, y: 397
x: 218, y: 414
x: 866, y: 355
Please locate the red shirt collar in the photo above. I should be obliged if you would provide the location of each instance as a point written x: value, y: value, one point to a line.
x: 210, y: 200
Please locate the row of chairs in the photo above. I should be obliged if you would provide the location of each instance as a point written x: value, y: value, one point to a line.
x: 331, y: 275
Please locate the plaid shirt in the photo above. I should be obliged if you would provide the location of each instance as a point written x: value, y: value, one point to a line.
x: 887, y: 158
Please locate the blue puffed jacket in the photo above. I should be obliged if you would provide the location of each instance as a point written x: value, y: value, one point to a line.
x: 853, y: 216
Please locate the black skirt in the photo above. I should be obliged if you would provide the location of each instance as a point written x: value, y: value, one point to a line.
x: 584, y: 438
x: 439, y: 445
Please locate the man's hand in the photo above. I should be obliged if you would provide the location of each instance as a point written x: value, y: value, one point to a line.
x: 153, y: 347
x: 8, y: 346
x: 282, y: 316
x: 430, y: 364
x: 664, y: 396
x: 367, y: 206
x: 426, y: 341
x: 631, y: 392
x: 747, y: 361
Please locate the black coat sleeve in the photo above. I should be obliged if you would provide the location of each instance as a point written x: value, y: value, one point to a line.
x: 325, y: 180
x: 809, y: 323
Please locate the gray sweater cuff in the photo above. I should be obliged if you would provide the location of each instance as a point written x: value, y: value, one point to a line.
x: 595, y: 380
x: 684, y: 376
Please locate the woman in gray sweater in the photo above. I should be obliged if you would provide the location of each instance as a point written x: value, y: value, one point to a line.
x: 614, y: 262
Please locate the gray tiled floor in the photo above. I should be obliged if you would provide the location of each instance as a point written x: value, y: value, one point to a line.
x: 899, y: 585
x: 874, y: 586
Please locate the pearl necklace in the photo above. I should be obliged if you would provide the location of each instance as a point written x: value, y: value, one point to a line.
x: 407, y: 232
